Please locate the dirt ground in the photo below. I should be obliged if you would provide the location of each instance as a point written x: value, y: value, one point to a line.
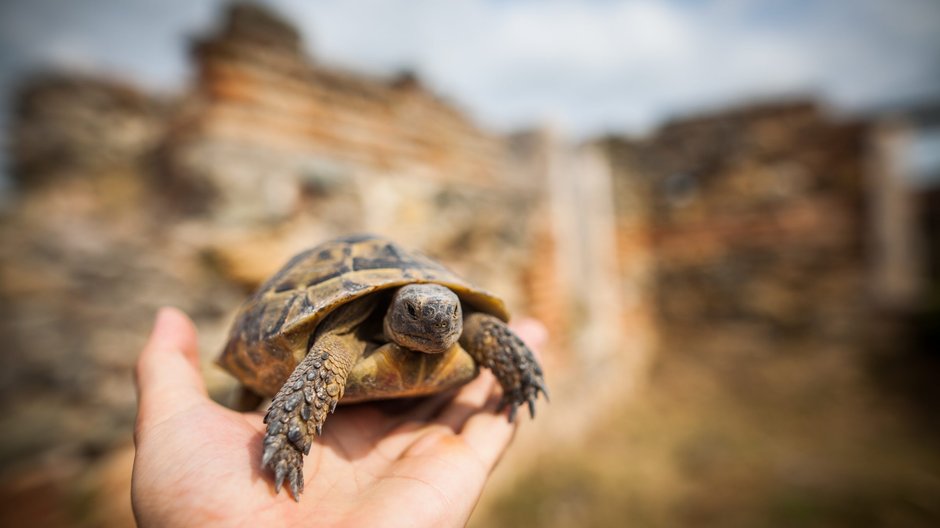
x: 733, y: 430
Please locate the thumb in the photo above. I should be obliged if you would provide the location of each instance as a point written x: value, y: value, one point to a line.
x: 167, y: 375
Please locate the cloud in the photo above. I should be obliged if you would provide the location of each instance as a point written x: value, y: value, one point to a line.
x: 589, y: 66
x: 625, y: 65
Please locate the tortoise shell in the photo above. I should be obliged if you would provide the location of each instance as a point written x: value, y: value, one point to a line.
x: 274, y: 328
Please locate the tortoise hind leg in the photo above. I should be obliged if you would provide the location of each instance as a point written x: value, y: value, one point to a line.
x: 493, y: 345
x: 310, y: 393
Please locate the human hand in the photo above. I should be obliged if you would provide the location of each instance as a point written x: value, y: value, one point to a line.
x: 199, y: 463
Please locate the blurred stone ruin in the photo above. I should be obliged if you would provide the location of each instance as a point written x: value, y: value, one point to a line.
x: 760, y: 218
x: 747, y: 208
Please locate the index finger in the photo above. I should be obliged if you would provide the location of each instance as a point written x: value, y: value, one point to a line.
x: 167, y: 374
x: 488, y: 431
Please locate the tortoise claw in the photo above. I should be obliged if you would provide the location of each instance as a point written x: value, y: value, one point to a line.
x: 279, y: 475
x: 544, y: 390
x: 269, y: 451
x: 286, y: 462
x: 525, y: 394
x: 296, y: 414
x: 296, y: 481
x: 493, y: 344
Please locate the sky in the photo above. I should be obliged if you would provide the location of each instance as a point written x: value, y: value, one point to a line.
x: 588, y: 67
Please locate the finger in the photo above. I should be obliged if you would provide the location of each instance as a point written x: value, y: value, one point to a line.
x: 532, y: 332
x: 488, y: 432
x: 403, y: 430
x: 399, y: 411
x: 448, y: 410
x: 446, y: 414
x: 468, y: 402
x: 167, y: 375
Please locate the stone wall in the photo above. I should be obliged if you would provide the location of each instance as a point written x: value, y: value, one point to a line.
x: 755, y: 217
x: 64, y: 126
x: 264, y: 115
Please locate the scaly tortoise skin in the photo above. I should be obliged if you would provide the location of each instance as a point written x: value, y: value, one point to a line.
x: 360, y: 318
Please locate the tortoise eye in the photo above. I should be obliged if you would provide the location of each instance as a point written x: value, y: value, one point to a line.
x: 411, y: 310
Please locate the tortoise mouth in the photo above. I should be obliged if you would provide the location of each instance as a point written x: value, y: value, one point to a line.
x: 430, y: 346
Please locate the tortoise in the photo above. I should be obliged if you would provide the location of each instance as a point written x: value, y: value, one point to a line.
x: 360, y: 318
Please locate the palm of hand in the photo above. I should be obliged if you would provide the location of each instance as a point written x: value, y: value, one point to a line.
x: 198, y: 463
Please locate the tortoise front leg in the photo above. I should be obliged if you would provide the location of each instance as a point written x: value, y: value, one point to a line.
x: 310, y: 393
x: 493, y: 345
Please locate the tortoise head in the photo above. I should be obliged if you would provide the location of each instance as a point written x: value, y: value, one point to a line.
x: 424, y: 317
